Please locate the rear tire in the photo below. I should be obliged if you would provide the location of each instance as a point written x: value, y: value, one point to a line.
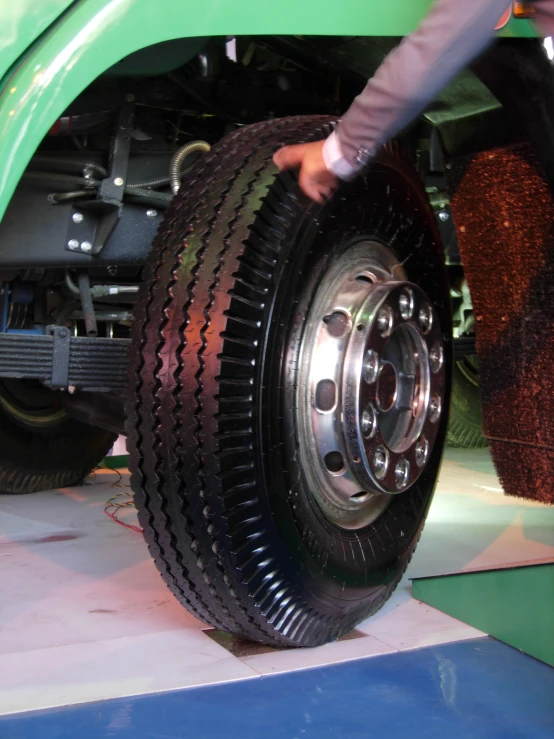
x: 465, y: 429
x: 41, y: 447
x: 230, y: 517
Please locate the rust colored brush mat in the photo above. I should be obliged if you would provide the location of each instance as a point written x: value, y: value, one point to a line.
x: 504, y: 216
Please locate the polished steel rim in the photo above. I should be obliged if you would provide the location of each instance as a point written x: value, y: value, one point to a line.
x: 371, y: 385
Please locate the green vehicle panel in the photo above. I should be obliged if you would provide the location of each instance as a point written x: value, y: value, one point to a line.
x: 21, y: 23
x: 88, y: 40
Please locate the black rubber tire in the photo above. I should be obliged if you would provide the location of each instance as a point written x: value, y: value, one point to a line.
x: 41, y: 448
x: 465, y: 428
x: 223, y: 502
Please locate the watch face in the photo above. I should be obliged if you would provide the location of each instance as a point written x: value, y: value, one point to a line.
x: 504, y: 20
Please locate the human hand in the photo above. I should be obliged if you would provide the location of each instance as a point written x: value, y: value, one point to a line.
x: 315, y: 179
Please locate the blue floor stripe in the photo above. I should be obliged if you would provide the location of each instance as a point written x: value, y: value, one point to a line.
x: 479, y: 689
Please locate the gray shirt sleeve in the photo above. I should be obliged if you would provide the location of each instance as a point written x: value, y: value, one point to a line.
x: 412, y: 75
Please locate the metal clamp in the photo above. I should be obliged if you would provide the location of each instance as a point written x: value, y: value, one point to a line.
x: 60, y: 356
x: 92, y: 221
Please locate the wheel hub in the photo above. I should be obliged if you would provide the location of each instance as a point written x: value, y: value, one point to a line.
x: 371, y: 385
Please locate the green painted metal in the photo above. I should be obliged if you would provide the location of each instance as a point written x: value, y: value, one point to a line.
x: 21, y: 22
x: 514, y: 605
x: 115, y: 462
x: 93, y: 35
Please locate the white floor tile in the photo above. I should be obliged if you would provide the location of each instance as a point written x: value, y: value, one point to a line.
x: 71, y: 575
x: 85, y: 615
x: 112, y: 668
x: 412, y: 625
x: 301, y: 659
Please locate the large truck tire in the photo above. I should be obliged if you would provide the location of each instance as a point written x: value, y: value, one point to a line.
x: 465, y: 429
x: 41, y: 447
x: 289, y: 372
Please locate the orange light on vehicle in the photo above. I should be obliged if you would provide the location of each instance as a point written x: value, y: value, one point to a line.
x: 523, y: 10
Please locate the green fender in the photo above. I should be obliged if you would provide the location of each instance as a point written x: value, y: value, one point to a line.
x: 93, y: 35
x: 21, y: 22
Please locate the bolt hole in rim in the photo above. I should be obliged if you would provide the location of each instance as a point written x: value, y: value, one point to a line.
x: 370, y: 385
x: 326, y: 396
x: 334, y: 462
x: 338, y: 323
x: 367, y: 278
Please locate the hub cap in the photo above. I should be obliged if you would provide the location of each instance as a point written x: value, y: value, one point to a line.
x: 371, y: 386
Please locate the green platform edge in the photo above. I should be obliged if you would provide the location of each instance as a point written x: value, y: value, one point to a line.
x: 115, y: 462
x: 514, y: 604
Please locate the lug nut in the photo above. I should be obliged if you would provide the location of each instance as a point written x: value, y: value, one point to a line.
x: 369, y: 422
x: 406, y: 304
x: 425, y: 318
x: 421, y: 451
x: 371, y: 366
x: 86, y: 247
x: 434, y: 408
x: 380, y: 462
x: 77, y: 217
x: 401, y: 473
x: 436, y: 358
x: 385, y: 321
x: 73, y: 244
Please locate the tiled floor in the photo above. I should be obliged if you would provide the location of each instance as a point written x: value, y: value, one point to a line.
x: 84, y: 615
x: 474, y: 689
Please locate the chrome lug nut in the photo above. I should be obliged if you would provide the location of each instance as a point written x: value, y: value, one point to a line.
x: 401, y: 473
x: 436, y: 358
x: 86, y: 247
x: 73, y: 244
x: 371, y: 367
x: 434, y: 408
x: 425, y: 318
x: 385, y: 321
x: 369, y: 422
x: 77, y: 217
x: 406, y: 305
x: 380, y: 462
x: 421, y: 451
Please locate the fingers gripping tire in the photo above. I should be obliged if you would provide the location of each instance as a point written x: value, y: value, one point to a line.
x: 234, y: 523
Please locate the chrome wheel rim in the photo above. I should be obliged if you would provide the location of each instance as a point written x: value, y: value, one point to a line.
x: 371, y: 386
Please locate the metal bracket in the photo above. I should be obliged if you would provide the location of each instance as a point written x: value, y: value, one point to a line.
x: 92, y: 221
x: 113, y: 187
x: 433, y: 170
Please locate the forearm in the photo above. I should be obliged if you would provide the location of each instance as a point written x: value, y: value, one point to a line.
x: 449, y: 38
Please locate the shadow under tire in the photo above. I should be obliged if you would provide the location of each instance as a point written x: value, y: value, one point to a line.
x: 41, y: 447
x: 227, y: 511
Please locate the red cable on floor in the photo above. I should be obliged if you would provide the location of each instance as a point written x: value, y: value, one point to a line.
x: 112, y: 507
x: 113, y: 516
